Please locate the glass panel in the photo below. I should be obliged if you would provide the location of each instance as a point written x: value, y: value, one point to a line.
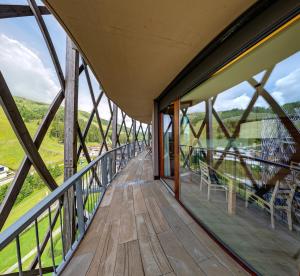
x: 168, y: 146
x: 246, y: 189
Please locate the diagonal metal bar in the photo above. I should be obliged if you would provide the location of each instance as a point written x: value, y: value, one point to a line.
x: 81, y: 68
x: 283, y: 117
x: 11, y: 11
x: 86, y: 153
x: 106, y: 134
x: 143, y: 133
x: 191, y: 149
x: 243, y: 163
x: 124, y: 124
x: 121, y: 128
x: 15, y: 187
x: 131, y: 130
x: 94, y: 103
x: 110, y: 106
x: 35, y: 10
x: 89, y: 122
x: 12, y: 113
x: 237, y: 129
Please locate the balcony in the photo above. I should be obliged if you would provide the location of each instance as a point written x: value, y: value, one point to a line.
x: 169, y: 145
x: 141, y: 229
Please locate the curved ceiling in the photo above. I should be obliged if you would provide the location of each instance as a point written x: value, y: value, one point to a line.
x: 136, y: 48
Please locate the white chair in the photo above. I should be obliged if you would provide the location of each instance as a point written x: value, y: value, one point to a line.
x: 205, y: 179
x: 283, y: 191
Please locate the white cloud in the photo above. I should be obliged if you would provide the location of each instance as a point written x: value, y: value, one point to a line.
x: 240, y: 102
x: 287, y: 89
x: 25, y: 73
x: 27, y: 76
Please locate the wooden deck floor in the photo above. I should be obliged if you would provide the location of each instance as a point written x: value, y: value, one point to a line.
x: 141, y: 230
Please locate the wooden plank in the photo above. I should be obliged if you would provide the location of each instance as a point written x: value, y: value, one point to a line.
x: 106, y: 201
x: 187, y: 219
x: 212, y: 266
x: 154, y: 259
x: 144, y: 225
x: 159, y: 223
x: 128, y: 227
x: 116, y: 205
x: 180, y: 260
x: 104, y: 259
x: 188, y: 240
x: 125, y: 197
x: 129, y: 193
x: 217, y: 252
x: 79, y: 265
x: 147, y: 190
x: 129, y: 260
x: 138, y: 200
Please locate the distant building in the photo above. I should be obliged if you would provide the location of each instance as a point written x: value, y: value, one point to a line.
x: 94, y: 151
x: 3, y: 171
x: 277, y: 144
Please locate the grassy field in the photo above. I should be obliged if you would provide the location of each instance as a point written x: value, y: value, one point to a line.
x: 11, y: 155
x: 27, y: 244
x: 11, y: 151
x: 51, y: 150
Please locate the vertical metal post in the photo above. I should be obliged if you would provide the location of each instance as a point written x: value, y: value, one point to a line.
x: 110, y: 166
x: 70, y: 139
x: 128, y: 152
x: 149, y: 135
x: 104, y: 171
x: 209, y: 134
x: 176, y: 149
x: 134, y: 136
x: 80, y: 214
x: 19, y: 255
x: 155, y: 140
x: 114, y: 136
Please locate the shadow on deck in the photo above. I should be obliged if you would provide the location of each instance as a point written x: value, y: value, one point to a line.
x: 140, y: 229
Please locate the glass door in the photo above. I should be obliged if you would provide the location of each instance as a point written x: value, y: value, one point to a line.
x: 167, y: 146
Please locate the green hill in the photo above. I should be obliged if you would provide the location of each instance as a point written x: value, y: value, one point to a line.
x: 52, y: 147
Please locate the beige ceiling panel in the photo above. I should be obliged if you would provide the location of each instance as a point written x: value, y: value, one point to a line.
x: 261, y: 58
x: 137, y: 47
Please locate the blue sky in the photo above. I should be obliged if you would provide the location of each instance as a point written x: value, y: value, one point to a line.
x: 283, y: 84
x: 29, y: 72
x: 27, y: 66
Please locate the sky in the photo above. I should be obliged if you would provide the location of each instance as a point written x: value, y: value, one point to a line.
x: 283, y: 84
x: 29, y: 72
x: 27, y: 66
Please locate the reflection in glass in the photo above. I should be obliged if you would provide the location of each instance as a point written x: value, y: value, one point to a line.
x: 248, y: 195
x: 168, y: 146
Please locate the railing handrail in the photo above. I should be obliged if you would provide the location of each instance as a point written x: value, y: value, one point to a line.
x: 288, y: 167
x: 22, y: 223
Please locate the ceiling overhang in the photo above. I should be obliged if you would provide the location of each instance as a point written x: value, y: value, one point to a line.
x: 136, y: 48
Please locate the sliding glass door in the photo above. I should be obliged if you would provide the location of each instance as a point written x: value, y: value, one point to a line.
x: 167, y: 146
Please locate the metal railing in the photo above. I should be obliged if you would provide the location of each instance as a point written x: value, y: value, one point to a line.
x: 248, y: 174
x: 87, y: 188
x: 259, y: 171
